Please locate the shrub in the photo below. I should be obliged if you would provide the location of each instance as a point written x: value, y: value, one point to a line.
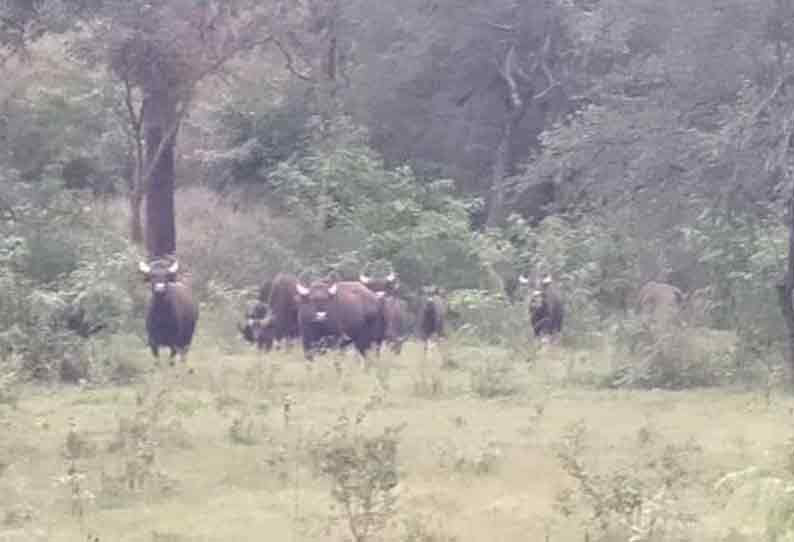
x: 364, y: 474
x: 637, y: 501
x: 65, y: 279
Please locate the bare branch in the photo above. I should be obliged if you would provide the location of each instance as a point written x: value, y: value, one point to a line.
x: 543, y: 56
x: 781, y: 84
x: 542, y: 94
x: 290, y: 62
x: 136, y: 120
x: 552, y: 83
x: 502, y: 27
x: 506, y: 73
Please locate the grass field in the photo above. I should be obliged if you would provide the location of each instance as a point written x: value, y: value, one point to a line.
x: 487, y: 451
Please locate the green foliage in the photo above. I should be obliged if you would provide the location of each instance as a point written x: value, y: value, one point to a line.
x: 63, y: 283
x: 593, y: 259
x: 69, y: 128
x: 742, y: 257
x: 487, y: 316
x: 262, y: 133
x: 350, y: 202
x: 671, y: 356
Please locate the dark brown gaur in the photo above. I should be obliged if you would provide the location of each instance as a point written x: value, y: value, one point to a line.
x: 172, y: 315
x: 546, y: 311
x: 282, y: 323
x: 392, y: 306
x: 339, y: 312
x: 432, y: 314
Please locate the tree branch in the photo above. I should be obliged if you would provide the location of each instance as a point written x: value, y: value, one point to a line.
x: 136, y: 119
x: 781, y: 84
x: 290, y: 62
x: 502, y: 27
x: 506, y: 73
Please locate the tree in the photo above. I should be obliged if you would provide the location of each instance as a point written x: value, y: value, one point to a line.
x: 520, y: 87
x: 161, y: 52
x: 458, y: 89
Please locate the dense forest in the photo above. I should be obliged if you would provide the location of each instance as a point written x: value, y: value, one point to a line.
x: 460, y: 145
x: 604, y: 143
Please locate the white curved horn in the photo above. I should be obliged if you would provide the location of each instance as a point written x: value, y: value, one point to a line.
x: 363, y: 279
x: 143, y: 267
x: 174, y: 267
x: 522, y: 279
x: 302, y: 290
x: 332, y: 289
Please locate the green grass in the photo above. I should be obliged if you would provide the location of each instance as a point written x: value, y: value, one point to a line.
x: 233, y: 450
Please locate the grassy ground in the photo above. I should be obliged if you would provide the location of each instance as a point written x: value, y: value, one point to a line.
x: 489, y: 451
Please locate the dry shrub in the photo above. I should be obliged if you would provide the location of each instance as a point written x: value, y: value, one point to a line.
x: 641, y: 499
x: 229, y: 244
x: 221, y: 240
x: 672, y: 356
x: 425, y: 528
x: 364, y: 474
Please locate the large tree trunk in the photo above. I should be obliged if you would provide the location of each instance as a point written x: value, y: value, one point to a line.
x: 785, y: 291
x: 136, y: 224
x: 159, y: 126
x: 503, y: 167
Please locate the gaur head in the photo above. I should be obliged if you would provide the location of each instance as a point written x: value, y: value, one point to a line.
x: 381, y: 287
x: 538, y: 296
x: 260, y: 331
x: 255, y: 316
x: 159, y: 273
x: 315, y: 301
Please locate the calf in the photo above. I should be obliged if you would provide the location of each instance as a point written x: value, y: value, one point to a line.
x: 258, y: 326
x: 431, y: 317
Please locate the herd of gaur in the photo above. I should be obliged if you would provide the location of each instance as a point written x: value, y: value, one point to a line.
x: 329, y: 313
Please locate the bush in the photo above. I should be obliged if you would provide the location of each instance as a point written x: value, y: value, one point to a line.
x: 672, y: 356
x: 64, y: 279
x: 364, y: 475
x: 489, y: 317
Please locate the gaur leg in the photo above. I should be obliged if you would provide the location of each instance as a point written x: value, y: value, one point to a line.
x: 265, y: 343
x: 308, y: 348
x: 363, y: 346
x: 183, y: 354
x: 155, y: 348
